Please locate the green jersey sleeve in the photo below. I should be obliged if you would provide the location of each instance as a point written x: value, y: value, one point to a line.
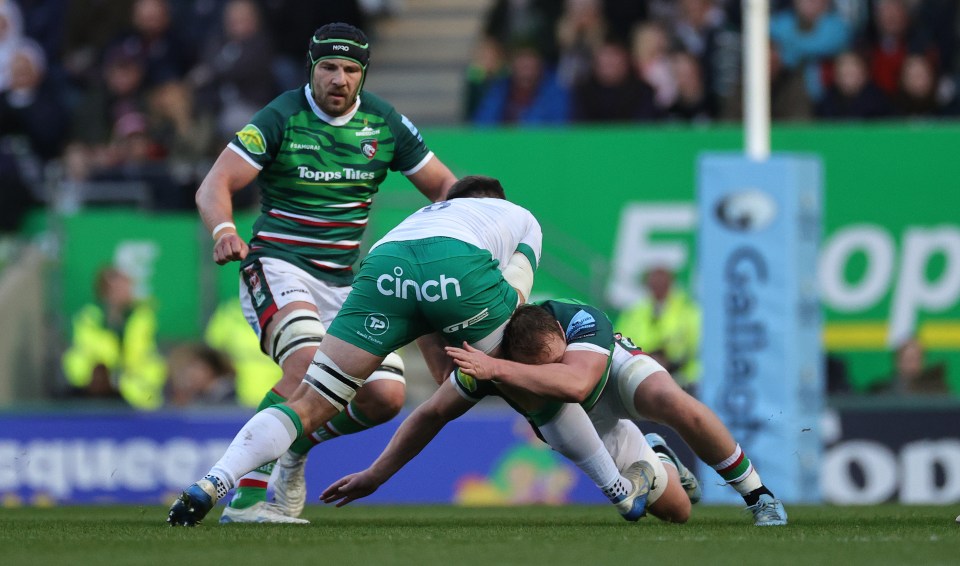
x: 259, y: 141
x: 410, y: 152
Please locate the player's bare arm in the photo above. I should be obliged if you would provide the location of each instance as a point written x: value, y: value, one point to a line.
x: 433, y: 180
x: 416, y: 431
x: 571, y: 379
x: 229, y: 174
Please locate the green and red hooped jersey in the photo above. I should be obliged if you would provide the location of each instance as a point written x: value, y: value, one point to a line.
x: 586, y: 328
x: 318, y: 175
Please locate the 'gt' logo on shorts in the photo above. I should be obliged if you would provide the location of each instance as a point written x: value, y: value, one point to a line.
x: 430, y: 291
x: 469, y: 322
x: 376, y: 324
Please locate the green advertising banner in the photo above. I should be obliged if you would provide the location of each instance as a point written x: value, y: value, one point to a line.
x: 615, y: 201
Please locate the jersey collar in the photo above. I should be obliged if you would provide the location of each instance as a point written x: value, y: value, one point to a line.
x: 332, y: 120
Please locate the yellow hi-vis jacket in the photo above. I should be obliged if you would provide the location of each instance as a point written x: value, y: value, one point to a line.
x: 131, y: 355
x: 675, y: 332
x: 229, y: 332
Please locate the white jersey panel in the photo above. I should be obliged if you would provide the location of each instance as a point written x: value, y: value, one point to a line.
x: 489, y: 223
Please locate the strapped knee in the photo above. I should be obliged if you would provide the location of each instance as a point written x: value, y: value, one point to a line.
x: 391, y: 369
x: 327, y: 379
x: 299, y: 329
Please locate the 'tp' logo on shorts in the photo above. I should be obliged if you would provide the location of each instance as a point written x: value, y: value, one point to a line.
x: 376, y: 324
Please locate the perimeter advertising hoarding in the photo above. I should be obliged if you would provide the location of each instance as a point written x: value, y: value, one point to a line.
x: 872, y: 455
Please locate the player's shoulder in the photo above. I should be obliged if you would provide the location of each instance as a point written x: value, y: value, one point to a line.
x: 288, y: 103
x: 371, y: 103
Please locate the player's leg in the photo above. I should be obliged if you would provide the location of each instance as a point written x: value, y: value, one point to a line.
x: 326, y: 390
x: 291, y: 337
x: 649, y: 392
x: 379, y: 400
x: 568, y: 430
x: 280, y: 306
x: 626, y: 444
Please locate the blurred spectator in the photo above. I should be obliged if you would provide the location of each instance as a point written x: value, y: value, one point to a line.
x: 789, y: 100
x: 911, y: 374
x: 134, y: 156
x: 530, y: 95
x: 114, y: 345
x: 200, y: 376
x: 651, y: 57
x: 666, y: 324
x: 289, y: 21
x: 612, y: 92
x: 11, y: 34
x: 487, y: 66
x: 941, y: 21
x: 89, y: 28
x: 916, y: 95
x: 166, y: 55
x: 622, y: 17
x: 853, y: 95
x: 693, y: 102
x: 697, y: 29
x: 891, y: 37
x: 43, y: 22
x: 182, y: 135
x: 229, y: 332
x: 528, y: 22
x: 808, y: 37
x: 121, y: 91
x: 31, y: 106
x: 233, y: 77
x: 580, y: 32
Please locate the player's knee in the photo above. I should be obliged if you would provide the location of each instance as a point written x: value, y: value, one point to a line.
x: 380, y: 401
x: 384, y: 392
x: 327, y: 379
x: 298, y: 330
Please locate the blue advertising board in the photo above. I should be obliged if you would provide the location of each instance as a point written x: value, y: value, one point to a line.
x: 759, y: 227
x: 483, y: 458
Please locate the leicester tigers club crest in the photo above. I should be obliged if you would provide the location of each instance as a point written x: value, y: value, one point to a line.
x: 254, y: 285
x: 368, y: 147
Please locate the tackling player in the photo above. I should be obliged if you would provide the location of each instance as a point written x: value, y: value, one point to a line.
x: 582, y: 365
x: 453, y: 271
x: 573, y: 340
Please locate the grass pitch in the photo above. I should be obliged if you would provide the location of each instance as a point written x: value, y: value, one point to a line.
x: 581, y: 535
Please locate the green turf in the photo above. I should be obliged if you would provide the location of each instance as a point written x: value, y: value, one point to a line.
x: 580, y: 535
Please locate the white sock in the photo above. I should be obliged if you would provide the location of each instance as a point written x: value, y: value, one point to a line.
x: 263, y: 439
x: 572, y: 434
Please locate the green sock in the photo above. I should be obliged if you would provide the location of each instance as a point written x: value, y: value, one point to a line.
x: 252, y: 488
x: 349, y: 421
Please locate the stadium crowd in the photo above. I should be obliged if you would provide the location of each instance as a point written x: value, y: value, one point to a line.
x: 148, y: 91
x: 542, y: 62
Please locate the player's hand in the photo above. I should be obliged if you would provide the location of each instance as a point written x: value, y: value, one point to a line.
x: 229, y: 247
x: 350, y: 488
x: 472, y: 361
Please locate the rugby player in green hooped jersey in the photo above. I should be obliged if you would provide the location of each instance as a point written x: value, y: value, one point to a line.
x: 318, y: 154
